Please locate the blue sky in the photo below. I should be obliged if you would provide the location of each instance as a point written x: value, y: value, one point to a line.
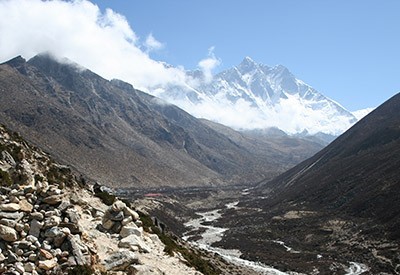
x: 348, y: 50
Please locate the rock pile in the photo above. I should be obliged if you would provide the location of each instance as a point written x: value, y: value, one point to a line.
x: 39, y: 230
x: 124, y: 221
x: 51, y: 224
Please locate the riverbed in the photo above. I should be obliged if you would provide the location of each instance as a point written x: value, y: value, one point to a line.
x: 203, y: 234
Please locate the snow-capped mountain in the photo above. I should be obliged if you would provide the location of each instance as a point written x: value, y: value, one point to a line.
x: 256, y: 96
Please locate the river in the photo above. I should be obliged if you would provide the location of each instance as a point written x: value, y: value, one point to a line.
x: 210, y: 234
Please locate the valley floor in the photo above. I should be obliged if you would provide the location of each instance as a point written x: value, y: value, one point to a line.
x: 234, y: 224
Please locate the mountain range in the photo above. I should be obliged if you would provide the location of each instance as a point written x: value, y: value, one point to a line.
x: 256, y: 96
x: 120, y: 136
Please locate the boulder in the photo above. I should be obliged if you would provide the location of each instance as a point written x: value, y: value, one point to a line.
x: 8, y: 234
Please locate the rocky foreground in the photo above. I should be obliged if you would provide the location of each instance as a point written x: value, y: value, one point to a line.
x: 51, y: 222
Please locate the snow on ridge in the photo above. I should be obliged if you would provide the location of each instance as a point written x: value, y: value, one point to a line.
x: 248, y: 97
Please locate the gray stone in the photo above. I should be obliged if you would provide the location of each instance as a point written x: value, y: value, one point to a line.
x: 16, y: 216
x: 8, y: 222
x: 8, y: 234
x: 120, y: 260
x: 36, y: 226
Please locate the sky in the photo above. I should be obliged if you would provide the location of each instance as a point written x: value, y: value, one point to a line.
x: 347, y: 50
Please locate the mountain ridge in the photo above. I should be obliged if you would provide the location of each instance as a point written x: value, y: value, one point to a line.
x: 265, y: 96
x: 122, y: 136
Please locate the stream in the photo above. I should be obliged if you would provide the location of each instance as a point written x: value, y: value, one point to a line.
x: 210, y: 234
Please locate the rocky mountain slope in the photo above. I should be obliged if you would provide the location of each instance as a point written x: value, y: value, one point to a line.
x: 53, y: 222
x: 337, y: 208
x: 271, y: 96
x: 122, y: 137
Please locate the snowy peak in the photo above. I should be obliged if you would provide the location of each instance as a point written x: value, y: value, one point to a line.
x: 247, y: 65
x: 255, y: 96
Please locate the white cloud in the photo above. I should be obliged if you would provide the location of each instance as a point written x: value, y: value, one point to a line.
x: 208, y: 64
x: 153, y: 44
x: 359, y: 114
x: 78, y: 30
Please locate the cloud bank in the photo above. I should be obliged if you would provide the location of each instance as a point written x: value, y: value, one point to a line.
x: 100, y: 41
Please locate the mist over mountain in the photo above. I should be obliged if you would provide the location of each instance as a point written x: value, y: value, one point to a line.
x: 255, y: 96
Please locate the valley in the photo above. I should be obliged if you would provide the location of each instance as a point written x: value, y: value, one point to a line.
x: 228, y: 202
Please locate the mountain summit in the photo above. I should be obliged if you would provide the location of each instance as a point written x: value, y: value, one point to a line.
x: 263, y: 97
